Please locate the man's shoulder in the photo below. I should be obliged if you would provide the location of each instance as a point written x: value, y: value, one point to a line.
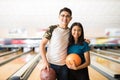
x: 53, y: 26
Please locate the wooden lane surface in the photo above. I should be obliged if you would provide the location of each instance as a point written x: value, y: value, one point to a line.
x: 112, y: 66
x: 94, y: 75
x: 35, y: 75
x: 6, y: 57
x: 3, y: 52
x: 114, y: 50
x: 8, y: 69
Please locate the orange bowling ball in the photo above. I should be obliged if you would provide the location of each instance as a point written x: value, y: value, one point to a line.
x: 73, y: 58
x: 47, y: 75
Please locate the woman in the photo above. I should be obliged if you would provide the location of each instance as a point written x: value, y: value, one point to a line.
x: 78, y: 45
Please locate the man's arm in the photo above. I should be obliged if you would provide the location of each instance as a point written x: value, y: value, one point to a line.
x: 43, y: 52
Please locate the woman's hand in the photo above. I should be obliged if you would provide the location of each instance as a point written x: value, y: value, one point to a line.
x: 72, y: 66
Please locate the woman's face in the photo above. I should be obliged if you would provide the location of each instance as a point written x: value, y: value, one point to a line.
x: 76, y: 32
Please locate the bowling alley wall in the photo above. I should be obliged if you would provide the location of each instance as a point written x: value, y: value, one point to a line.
x: 30, y: 18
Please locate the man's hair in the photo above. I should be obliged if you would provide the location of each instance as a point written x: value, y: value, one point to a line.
x: 67, y: 10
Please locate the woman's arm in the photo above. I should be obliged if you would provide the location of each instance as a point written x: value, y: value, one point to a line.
x: 85, y: 64
x: 87, y: 60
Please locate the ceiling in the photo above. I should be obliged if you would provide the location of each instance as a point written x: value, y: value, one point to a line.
x: 97, y: 16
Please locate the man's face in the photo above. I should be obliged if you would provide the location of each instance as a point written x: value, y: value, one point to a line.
x: 65, y: 18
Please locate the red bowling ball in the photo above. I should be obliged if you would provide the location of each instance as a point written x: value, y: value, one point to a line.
x: 47, y: 75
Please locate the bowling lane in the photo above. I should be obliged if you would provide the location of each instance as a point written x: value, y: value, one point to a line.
x: 11, y: 67
x: 94, y: 75
x: 110, y: 67
x: 1, y: 52
x: 6, y: 57
x: 114, y: 50
x: 5, y: 52
x: 35, y: 75
x: 8, y: 52
x: 112, y: 55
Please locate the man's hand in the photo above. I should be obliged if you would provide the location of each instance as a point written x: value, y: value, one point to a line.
x: 87, y: 40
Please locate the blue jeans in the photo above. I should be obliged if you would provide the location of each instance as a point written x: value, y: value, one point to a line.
x: 61, y: 71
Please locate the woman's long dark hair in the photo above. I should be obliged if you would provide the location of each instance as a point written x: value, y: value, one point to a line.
x: 80, y: 39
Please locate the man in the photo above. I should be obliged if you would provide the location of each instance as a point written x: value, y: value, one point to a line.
x: 56, y: 52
